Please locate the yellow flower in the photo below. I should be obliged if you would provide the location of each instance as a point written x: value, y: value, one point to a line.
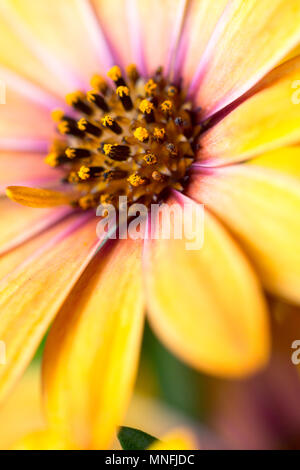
x: 207, y: 306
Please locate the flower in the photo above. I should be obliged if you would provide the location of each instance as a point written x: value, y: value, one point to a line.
x: 207, y: 306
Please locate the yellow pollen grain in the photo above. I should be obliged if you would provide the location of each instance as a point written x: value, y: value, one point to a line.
x: 52, y: 159
x: 166, y: 106
x: 136, y: 180
x: 150, y: 159
x: 84, y: 173
x: 91, y: 96
x: 86, y: 202
x: 57, y: 115
x: 63, y: 127
x: 73, y: 177
x: 141, y: 134
x: 114, y: 73
x: 106, y: 199
x: 159, y: 133
x: 107, y: 121
x: 73, y: 98
x: 82, y: 124
x: 71, y: 153
x: 146, y: 107
x: 122, y: 91
x: 99, y: 83
x: 107, y: 148
x: 150, y: 87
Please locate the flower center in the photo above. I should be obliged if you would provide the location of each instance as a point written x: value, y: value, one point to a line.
x: 136, y: 141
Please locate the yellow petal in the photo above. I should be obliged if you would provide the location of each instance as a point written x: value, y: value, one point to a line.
x: 97, y: 334
x: 16, y: 56
x: 261, y: 207
x: 206, y: 305
x: 34, y: 197
x: 44, y: 439
x: 268, y: 119
x: 258, y: 34
x: 178, y: 439
x: 285, y: 160
x: 57, y: 34
x: 21, y: 412
x: 31, y: 294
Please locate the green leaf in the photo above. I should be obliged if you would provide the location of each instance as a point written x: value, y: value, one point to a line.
x: 134, y: 439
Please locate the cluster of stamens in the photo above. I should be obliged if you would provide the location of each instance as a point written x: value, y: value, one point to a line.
x: 135, y: 141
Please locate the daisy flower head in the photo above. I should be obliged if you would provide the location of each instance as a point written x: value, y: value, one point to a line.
x: 175, y: 101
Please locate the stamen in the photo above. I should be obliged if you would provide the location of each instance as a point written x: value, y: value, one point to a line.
x: 77, y: 153
x: 114, y: 175
x: 98, y: 100
x: 150, y: 87
x: 117, y: 152
x: 141, y: 134
x: 123, y: 93
x: 159, y: 134
x: 132, y: 73
x: 99, y: 83
x: 85, y: 172
x: 166, y: 107
x: 52, y: 159
x: 147, y: 108
x: 87, y: 202
x: 150, y: 159
x: 136, y: 180
x: 115, y: 75
x: 128, y: 142
x: 85, y: 125
x: 77, y: 100
x: 58, y: 115
x: 111, y: 124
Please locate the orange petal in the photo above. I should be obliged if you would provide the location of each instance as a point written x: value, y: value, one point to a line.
x: 143, y: 32
x: 261, y: 207
x: 31, y: 294
x: 201, y: 22
x: 206, y: 305
x: 256, y: 35
x: 97, y: 334
x: 160, y: 25
x: 18, y: 223
x: 17, y: 169
x: 34, y: 197
x: 268, y: 119
x: 22, y: 118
